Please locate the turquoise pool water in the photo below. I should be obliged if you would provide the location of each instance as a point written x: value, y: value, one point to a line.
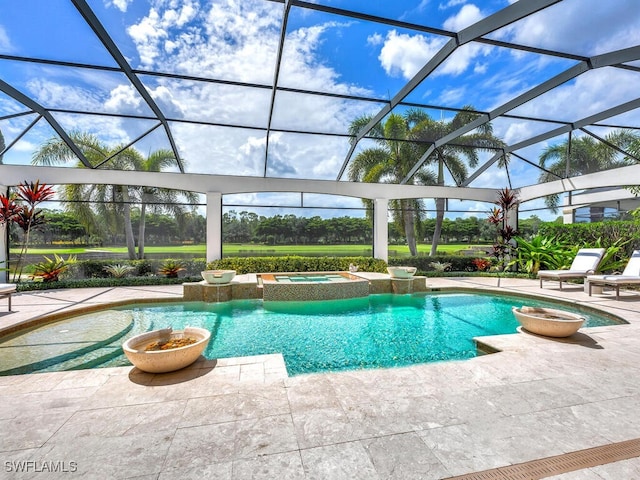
x: 370, y: 332
x: 378, y: 331
x: 316, y: 278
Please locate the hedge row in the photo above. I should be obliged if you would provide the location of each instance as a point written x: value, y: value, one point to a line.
x: 588, y: 234
x: 244, y: 265
x: 105, y: 282
x: 90, y: 273
x: 458, y: 263
x: 148, y: 268
x: 142, y: 268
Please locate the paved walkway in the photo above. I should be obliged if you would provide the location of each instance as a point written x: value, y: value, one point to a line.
x: 245, y: 419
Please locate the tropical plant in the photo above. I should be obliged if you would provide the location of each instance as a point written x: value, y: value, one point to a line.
x: 440, y: 266
x: 21, y: 209
x: 51, y: 268
x: 481, y: 264
x: 505, y: 245
x: 171, y: 268
x: 113, y: 202
x: 118, y: 271
x: 401, y: 142
x: 583, y: 155
x: 542, y: 252
x: 614, y: 256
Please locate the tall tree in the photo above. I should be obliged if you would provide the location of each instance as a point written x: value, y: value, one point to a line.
x: 455, y: 157
x: 112, y: 203
x: 583, y: 155
x: 402, y: 140
x: 158, y: 199
x: 390, y: 161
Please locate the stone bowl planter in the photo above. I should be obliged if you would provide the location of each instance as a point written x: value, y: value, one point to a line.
x: 401, y: 272
x: 548, y: 321
x: 218, y: 276
x: 161, y: 361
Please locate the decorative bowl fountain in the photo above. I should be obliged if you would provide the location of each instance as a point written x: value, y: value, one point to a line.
x: 548, y: 321
x: 401, y: 272
x: 166, y: 350
x: 218, y: 276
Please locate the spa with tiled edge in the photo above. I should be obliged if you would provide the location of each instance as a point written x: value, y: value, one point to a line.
x: 297, y: 286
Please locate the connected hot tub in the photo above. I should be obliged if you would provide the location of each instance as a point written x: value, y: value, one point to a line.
x: 312, y: 286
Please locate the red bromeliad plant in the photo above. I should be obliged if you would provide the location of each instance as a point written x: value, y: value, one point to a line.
x: 504, y: 248
x: 8, y: 209
x: 21, y: 210
x: 8, y: 213
x: 481, y: 264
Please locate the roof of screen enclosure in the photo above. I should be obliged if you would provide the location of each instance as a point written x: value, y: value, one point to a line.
x: 258, y: 95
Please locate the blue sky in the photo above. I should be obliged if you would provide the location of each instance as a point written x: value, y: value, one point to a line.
x: 237, y: 41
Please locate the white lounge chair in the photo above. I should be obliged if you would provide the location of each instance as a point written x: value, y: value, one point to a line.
x: 6, y: 289
x: 630, y: 276
x: 585, y: 263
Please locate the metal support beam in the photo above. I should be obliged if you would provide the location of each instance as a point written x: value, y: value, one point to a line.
x: 610, y: 112
x: 276, y: 75
x: 214, y: 226
x: 114, y: 51
x: 506, y: 16
x: 611, y: 145
x: 22, y: 134
x: 598, y: 61
x: 36, y: 107
x: 381, y: 229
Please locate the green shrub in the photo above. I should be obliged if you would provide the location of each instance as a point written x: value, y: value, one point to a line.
x: 141, y: 268
x: 105, y: 282
x: 244, y: 265
x: 586, y: 235
x: 119, y: 270
x: 458, y: 263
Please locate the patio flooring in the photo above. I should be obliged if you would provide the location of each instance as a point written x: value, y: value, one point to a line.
x: 244, y: 418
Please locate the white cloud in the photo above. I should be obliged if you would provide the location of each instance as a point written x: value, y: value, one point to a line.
x: 375, y: 39
x: 24, y: 146
x: 480, y: 68
x: 147, y: 34
x: 121, y: 96
x: 451, y: 3
x: 569, y: 26
x: 468, y: 15
x: 239, y: 41
x: 589, y: 93
x: 5, y: 42
x: 405, y: 55
x: 121, y: 5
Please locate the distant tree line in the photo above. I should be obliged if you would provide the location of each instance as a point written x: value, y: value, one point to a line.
x: 62, y: 227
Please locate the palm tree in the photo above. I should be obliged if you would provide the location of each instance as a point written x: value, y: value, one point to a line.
x: 583, y: 155
x: 390, y: 162
x: 452, y: 156
x: 402, y: 140
x: 158, y: 198
x: 112, y: 203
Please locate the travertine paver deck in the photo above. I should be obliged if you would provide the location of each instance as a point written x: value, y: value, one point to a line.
x: 244, y: 418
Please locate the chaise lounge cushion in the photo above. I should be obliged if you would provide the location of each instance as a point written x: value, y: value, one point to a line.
x: 585, y: 263
x: 630, y: 275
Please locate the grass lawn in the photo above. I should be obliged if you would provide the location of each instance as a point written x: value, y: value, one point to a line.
x: 230, y: 250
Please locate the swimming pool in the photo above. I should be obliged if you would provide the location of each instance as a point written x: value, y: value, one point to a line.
x: 378, y: 331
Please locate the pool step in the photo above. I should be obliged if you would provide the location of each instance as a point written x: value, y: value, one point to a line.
x: 109, y: 355
x: 61, y: 342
